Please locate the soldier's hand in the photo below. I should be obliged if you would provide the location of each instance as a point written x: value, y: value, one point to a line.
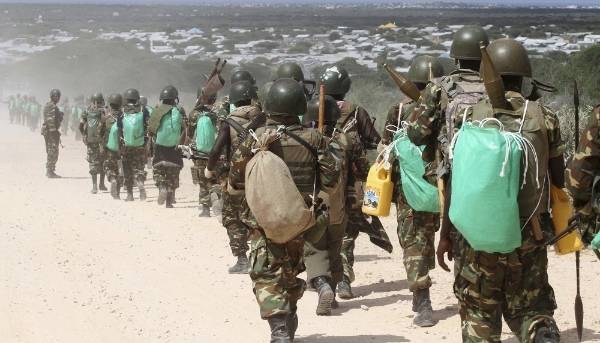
x: 444, y: 246
x: 208, y: 173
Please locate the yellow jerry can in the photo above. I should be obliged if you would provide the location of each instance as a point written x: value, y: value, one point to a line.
x: 378, y: 191
x: 561, y: 212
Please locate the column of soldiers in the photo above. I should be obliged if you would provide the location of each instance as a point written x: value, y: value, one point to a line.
x: 489, y: 287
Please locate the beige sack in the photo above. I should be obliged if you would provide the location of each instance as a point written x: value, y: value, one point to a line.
x: 272, y: 195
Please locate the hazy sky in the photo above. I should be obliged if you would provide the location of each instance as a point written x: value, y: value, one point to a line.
x: 166, y: 2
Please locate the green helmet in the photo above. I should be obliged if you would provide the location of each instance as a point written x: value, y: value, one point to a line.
x: 115, y: 99
x: 131, y: 94
x: 290, y: 70
x: 236, y: 69
x: 509, y: 57
x: 465, y: 45
x: 263, y: 91
x: 97, y: 97
x: 143, y: 100
x: 285, y: 98
x: 174, y: 89
x: 242, y: 90
x: 332, y: 110
x: 52, y: 92
x: 336, y: 80
x: 419, y: 69
x: 242, y: 75
x: 168, y: 93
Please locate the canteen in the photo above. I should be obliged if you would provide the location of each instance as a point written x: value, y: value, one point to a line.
x: 561, y: 212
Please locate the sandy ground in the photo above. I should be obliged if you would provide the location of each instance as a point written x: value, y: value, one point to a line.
x: 78, y: 267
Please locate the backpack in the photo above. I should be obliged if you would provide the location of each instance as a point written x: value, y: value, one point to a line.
x: 279, y: 209
x: 205, y: 134
x: 169, y: 130
x: 113, y: 138
x: 498, y: 175
x: 93, y: 122
x: 34, y: 110
x: 133, y: 129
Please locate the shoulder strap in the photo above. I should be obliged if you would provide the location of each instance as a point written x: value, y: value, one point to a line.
x: 302, y: 142
x: 234, y: 124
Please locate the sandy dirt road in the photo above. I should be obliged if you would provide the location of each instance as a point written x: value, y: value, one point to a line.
x: 77, y: 267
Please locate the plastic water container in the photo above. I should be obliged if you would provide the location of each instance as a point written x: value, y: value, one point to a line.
x: 561, y: 212
x: 378, y: 191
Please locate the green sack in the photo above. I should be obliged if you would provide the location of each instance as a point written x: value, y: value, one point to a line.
x: 169, y: 129
x: 485, y: 184
x: 596, y: 242
x: 133, y: 129
x: 149, y: 109
x: 113, y: 138
x: 205, y: 134
x: 420, y: 194
x: 34, y: 110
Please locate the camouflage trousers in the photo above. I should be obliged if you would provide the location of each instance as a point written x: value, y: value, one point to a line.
x: 52, y: 145
x: 274, y: 270
x: 168, y: 175
x: 323, y: 258
x: 357, y: 223
x: 236, y: 230
x: 135, y: 159
x: 206, y: 186
x: 95, y: 157
x: 513, y: 285
x: 110, y: 165
x: 416, y: 234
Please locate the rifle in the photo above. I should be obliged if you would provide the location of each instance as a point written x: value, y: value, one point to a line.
x: 321, y: 125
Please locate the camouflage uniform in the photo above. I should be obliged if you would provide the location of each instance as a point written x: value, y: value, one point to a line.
x: 110, y: 161
x: 416, y: 229
x: 514, y: 285
x: 274, y: 267
x: 76, y: 117
x: 206, y: 186
x: 580, y: 174
x: 52, y: 119
x: 135, y: 156
x: 96, y: 154
x: 431, y: 127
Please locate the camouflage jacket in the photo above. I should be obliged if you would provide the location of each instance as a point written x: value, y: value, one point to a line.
x: 109, y: 118
x: 328, y: 164
x: 52, y: 118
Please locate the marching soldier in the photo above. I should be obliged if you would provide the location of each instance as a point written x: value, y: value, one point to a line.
x: 50, y: 130
x: 89, y: 129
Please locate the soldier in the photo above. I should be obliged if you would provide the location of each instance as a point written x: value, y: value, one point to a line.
x: 112, y: 143
x: 204, y: 196
x: 52, y: 119
x: 25, y: 110
x: 66, y: 109
x: 515, y: 284
x: 241, y: 95
x: 580, y: 175
x: 89, y: 129
x: 165, y: 127
x: 293, y: 71
x: 132, y: 127
x: 355, y: 121
x: 34, y: 114
x: 144, y: 102
x: 440, y: 103
x: 324, y: 267
x: 11, y: 106
x: 18, y: 108
x: 276, y: 266
x: 76, y: 111
x: 416, y: 229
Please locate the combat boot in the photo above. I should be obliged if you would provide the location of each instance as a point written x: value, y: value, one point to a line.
x: 205, y: 211
x: 241, y: 267
x: 140, y: 184
x: 344, y: 290
x: 334, y: 302
x: 326, y: 296
x: 114, y: 188
x: 51, y: 175
x: 173, y: 201
x: 544, y: 335
x: 162, y: 193
x: 101, y: 186
x: 169, y: 203
x: 291, y: 322
x: 424, y: 317
x: 415, y: 305
x: 94, y: 183
x: 279, y: 330
x: 129, y: 193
